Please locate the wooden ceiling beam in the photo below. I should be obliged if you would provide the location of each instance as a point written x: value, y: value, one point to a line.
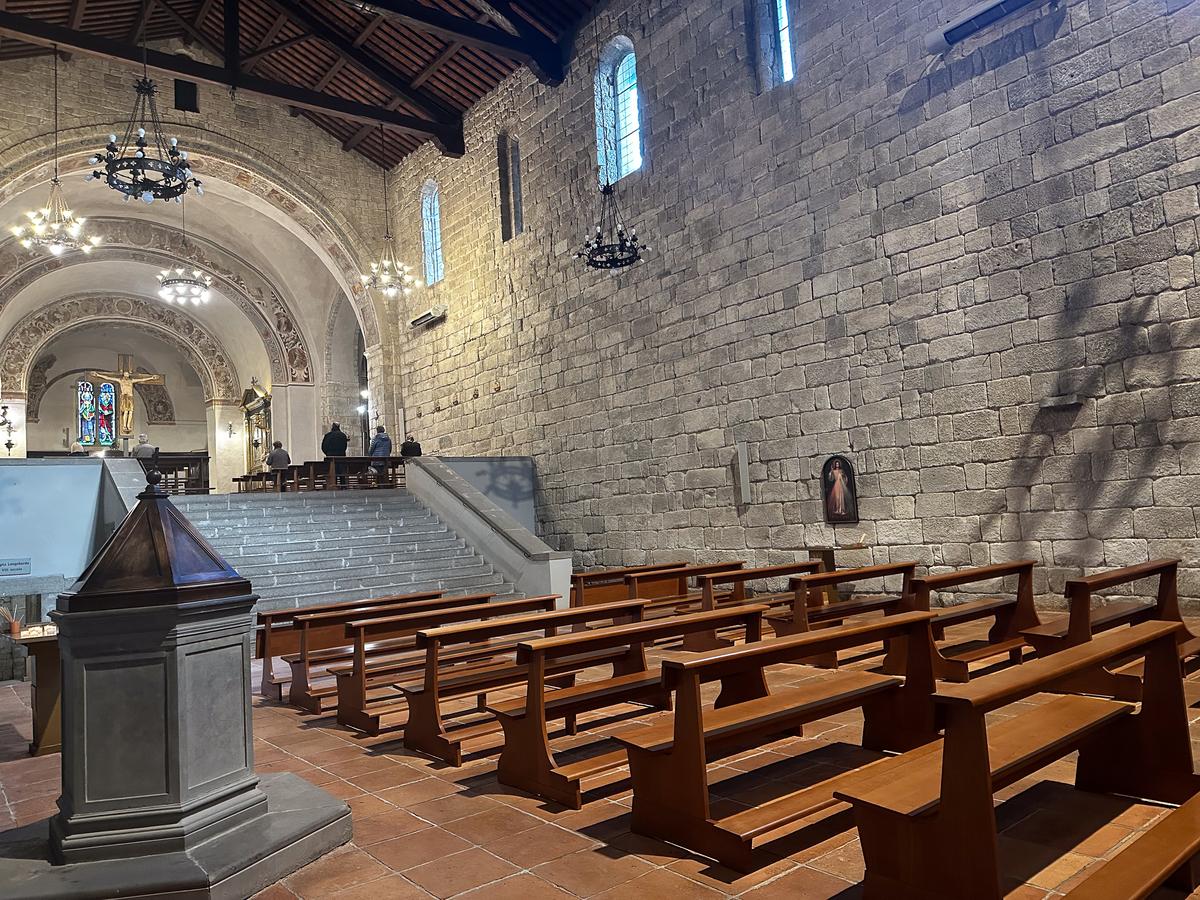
x: 139, y: 24
x: 195, y: 33
x: 447, y: 136
x: 424, y: 75
x: 202, y: 13
x: 352, y: 53
x: 544, y: 58
x: 250, y: 60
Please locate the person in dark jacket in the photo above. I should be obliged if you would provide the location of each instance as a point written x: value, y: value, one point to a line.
x: 381, y: 449
x: 335, y: 443
x: 410, y: 447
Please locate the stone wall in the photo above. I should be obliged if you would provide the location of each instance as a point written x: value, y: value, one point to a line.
x: 896, y: 256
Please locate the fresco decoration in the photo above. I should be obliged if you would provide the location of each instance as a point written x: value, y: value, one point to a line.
x: 203, y: 351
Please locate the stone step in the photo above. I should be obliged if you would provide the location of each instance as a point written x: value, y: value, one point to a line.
x: 336, y: 565
x: 233, y: 536
x: 217, y: 514
x: 343, y: 543
x: 315, y: 552
x: 373, y: 578
x: 316, y: 518
x: 334, y: 500
x: 281, y: 599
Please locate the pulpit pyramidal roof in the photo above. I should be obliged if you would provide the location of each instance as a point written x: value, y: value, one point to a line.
x: 156, y: 557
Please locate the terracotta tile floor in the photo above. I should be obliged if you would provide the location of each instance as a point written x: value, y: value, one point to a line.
x: 423, y: 829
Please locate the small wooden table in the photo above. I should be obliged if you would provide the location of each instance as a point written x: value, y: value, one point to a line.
x: 46, y: 688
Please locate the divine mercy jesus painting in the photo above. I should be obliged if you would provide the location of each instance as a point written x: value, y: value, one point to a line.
x: 838, y: 492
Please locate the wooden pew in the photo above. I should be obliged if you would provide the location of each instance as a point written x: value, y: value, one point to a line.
x: 369, y: 698
x: 819, y: 607
x: 1083, y: 620
x: 323, y: 642
x: 608, y: 585
x: 711, y: 597
x: 1163, y: 855
x: 668, y: 588
x: 277, y: 633
x: 668, y: 762
x: 527, y: 760
x: 1011, y: 615
x: 427, y: 731
x: 911, y: 809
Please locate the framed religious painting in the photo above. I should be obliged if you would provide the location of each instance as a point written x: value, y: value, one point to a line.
x: 838, y: 492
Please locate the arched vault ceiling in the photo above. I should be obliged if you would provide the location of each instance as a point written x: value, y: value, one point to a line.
x: 244, y: 179
x: 156, y: 245
x: 200, y: 347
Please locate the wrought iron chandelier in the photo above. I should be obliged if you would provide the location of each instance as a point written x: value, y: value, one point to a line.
x: 145, y: 164
x: 54, y: 227
x: 184, y: 283
x: 612, y: 247
x: 388, y: 275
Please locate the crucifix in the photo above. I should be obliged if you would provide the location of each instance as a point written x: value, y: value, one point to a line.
x: 125, y: 378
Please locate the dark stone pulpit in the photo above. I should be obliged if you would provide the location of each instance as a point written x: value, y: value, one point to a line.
x: 159, y: 794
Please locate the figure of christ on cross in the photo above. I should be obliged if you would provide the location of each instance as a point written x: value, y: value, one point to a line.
x: 125, y: 378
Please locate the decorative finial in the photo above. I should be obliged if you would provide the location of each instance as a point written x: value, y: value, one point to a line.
x: 153, y: 478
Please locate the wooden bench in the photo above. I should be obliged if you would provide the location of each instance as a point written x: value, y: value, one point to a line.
x: 369, y: 698
x: 1083, y: 620
x: 711, y: 597
x: 323, y: 642
x: 608, y: 585
x: 277, y: 633
x: 668, y: 762
x: 911, y: 809
x: 823, y: 605
x: 668, y: 588
x: 527, y: 760
x: 1011, y: 614
x: 429, y: 731
x: 1164, y: 855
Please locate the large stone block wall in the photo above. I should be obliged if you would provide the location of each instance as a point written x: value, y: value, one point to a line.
x: 897, y: 257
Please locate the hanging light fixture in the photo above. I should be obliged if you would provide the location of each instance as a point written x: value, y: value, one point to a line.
x: 388, y: 275
x: 611, y: 247
x: 145, y: 164
x: 184, y: 283
x: 54, y: 227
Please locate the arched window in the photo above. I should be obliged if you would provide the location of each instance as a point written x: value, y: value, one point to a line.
x: 508, y: 160
x: 776, y: 58
x: 431, y: 233
x: 618, y: 113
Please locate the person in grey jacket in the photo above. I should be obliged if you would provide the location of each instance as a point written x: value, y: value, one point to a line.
x: 144, y: 449
x: 381, y: 448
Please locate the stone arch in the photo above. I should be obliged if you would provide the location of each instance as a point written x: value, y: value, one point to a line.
x: 144, y: 241
x: 23, y: 345
x: 329, y: 235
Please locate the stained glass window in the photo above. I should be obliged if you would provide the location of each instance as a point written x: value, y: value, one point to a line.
x: 87, y: 414
x: 431, y: 233
x: 106, y: 416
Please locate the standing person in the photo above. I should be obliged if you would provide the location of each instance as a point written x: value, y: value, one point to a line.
x: 381, y: 449
x: 335, y: 443
x: 278, y: 458
x: 143, y: 450
x: 410, y: 447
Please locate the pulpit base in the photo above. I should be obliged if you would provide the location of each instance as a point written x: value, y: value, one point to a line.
x: 301, y: 824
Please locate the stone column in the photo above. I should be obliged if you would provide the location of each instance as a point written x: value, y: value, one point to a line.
x: 227, y: 454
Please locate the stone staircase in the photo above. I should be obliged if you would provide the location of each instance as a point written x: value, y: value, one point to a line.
x: 302, y: 549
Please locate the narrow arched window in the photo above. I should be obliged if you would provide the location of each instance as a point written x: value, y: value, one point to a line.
x: 431, y: 233
x: 772, y: 24
x: 508, y: 160
x: 783, y: 41
x: 619, y: 148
